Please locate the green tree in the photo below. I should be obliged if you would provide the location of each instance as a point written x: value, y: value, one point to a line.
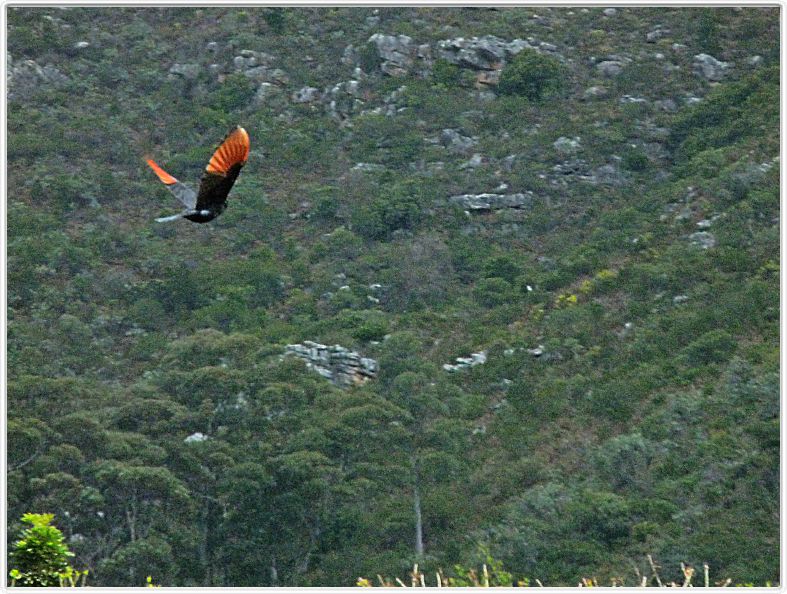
x: 40, y: 556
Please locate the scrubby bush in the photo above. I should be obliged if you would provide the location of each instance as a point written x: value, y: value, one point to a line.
x: 531, y: 74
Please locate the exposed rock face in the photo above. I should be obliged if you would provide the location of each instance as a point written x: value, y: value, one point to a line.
x: 396, y: 51
x: 341, y: 366
x: 480, y: 53
x: 466, y: 362
x: 486, y: 201
x: 26, y: 76
x: 709, y: 67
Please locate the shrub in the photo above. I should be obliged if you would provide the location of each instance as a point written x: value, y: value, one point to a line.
x: 445, y: 73
x: 40, y: 555
x: 531, y: 75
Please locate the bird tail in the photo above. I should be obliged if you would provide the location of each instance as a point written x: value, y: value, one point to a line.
x: 174, y: 217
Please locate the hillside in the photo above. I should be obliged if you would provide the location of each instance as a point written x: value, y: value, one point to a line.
x: 545, y: 241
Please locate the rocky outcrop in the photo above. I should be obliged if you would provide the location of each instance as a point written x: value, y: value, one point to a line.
x: 480, y: 53
x: 26, y: 76
x: 397, y: 53
x: 487, y: 201
x: 339, y: 365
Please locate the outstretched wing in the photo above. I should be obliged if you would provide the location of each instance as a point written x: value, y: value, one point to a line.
x: 223, y: 169
x: 180, y: 190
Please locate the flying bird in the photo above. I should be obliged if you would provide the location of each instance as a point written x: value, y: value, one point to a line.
x: 221, y: 172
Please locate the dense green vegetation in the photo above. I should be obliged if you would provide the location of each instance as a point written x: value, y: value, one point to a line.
x: 628, y: 307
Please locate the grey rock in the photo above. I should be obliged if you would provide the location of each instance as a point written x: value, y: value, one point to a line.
x: 342, y: 100
x: 257, y: 73
x: 488, y: 201
x: 754, y: 61
x: 196, y: 438
x: 306, y: 95
x: 609, y: 175
x: 480, y: 53
x: 703, y: 239
x: 27, y: 76
x: 81, y: 44
x: 336, y: 363
x: 610, y: 68
x: 454, y: 141
x: 595, y: 92
x: 187, y: 71
x: 709, y: 67
x: 567, y: 146
x: 278, y: 76
x: 667, y: 105
x: 463, y: 363
x: 632, y: 99
x: 475, y: 161
x: 350, y: 56
x: 577, y: 167
x: 264, y: 93
x: 656, y: 34
x: 212, y: 46
x: 610, y: 12
x: 396, y: 51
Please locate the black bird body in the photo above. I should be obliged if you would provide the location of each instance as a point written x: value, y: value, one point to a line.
x: 217, y: 180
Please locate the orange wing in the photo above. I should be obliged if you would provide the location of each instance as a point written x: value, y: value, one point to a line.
x: 165, y: 177
x: 233, y: 150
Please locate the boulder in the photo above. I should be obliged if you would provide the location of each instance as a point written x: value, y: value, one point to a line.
x: 709, y: 67
x: 609, y: 68
x: 456, y: 142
